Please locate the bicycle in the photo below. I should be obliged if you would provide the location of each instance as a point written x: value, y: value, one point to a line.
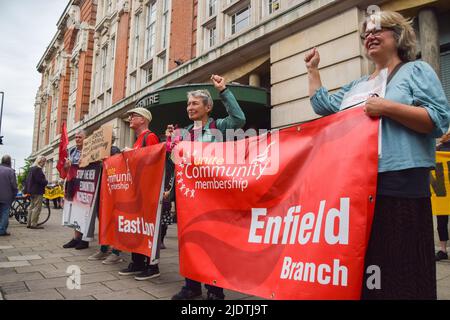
x: 19, y: 209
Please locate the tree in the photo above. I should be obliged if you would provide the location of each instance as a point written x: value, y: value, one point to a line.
x: 23, y: 175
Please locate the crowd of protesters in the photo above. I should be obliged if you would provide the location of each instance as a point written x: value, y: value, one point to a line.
x: 415, y: 113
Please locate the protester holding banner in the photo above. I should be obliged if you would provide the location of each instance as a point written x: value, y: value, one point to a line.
x: 141, y: 267
x: 442, y: 220
x: 35, y: 185
x: 199, y: 108
x: 166, y: 215
x: 74, y: 158
x: 112, y: 257
x: 414, y: 112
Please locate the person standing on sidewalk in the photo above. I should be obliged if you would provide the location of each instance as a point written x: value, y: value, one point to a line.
x: 442, y: 220
x: 74, y: 157
x: 415, y: 112
x: 8, y: 184
x: 104, y: 254
x: 199, y: 108
x: 35, y: 185
x: 140, y: 266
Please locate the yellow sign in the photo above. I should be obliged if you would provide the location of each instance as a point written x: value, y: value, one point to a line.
x: 54, y: 193
x: 440, y: 184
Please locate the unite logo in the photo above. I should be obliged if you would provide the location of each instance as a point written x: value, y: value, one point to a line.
x: 117, y: 180
x: 199, y: 171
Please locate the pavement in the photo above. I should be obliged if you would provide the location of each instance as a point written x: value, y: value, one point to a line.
x: 33, y: 266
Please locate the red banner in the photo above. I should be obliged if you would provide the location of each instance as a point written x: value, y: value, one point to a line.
x: 130, y: 199
x: 291, y: 221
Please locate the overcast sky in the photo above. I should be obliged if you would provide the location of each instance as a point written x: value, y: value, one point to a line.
x: 26, y: 29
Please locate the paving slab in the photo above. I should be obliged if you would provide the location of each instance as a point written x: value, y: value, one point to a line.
x: 25, y: 258
x: 132, y: 294
x: 49, y: 294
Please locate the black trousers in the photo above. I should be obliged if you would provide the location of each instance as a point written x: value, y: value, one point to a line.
x: 142, y: 261
x: 442, y: 227
x: 197, y: 286
x: 401, y: 245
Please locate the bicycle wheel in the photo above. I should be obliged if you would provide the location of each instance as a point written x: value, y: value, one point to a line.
x: 45, y: 215
x: 21, y: 215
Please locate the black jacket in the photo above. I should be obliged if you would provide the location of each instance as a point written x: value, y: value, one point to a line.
x: 36, y: 181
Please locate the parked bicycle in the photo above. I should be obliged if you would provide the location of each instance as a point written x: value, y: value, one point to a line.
x: 19, y: 209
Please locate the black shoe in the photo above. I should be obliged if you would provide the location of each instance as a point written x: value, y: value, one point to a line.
x: 5, y: 234
x: 441, y: 255
x: 187, y: 294
x: 131, y: 270
x: 82, y: 245
x: 37, y: 227
x: 71, y: 244
x: 151, y: 272
x: 212, y: 296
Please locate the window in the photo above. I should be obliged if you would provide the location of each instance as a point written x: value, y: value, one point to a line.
x: 136, y: 41
x: 272, y: 5
x: 212, y: 7
x: 109, y: 7
x: 165, y: 24
x: 103, y: 70
x: 211, y: 36
x: 133, y: 82
x: 148, y: 73
x: 74, y: 78
x: 150, y: 31
x: 162, y: 63
x: 445, y: 72
x: 240, y: 20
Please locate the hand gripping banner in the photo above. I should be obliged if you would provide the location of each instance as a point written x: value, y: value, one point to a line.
x: 130, y: 200
x: 285, y: 215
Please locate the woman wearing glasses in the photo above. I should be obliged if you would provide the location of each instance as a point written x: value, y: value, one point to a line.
x: 415, y: 112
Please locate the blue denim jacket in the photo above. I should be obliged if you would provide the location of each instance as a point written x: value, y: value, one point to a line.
x: 415, y: 84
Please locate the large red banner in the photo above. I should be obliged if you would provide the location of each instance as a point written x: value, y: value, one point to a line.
x: 292, y: 221
x: 130, y: 198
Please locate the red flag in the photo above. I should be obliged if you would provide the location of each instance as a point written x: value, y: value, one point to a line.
x: 63, y: 151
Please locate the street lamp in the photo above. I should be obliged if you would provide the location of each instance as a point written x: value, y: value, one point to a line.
x: 1, y: 116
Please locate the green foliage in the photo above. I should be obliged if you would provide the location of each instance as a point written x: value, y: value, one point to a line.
x: 23, y: 175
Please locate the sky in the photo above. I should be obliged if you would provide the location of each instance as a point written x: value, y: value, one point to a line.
x: 26, y: 29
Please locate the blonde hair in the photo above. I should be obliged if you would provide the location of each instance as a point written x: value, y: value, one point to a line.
x: 404, y: 33
x: 38, y: 160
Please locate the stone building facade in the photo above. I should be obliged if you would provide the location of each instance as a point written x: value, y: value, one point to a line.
x: 109, y: 54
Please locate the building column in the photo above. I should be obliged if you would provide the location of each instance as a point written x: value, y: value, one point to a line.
x: 429, y: 38
x: 254, y: 80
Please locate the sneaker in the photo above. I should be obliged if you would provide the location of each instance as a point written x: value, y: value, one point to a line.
x: 98, y: 256
x: 213, y: 296
x: 71, y: 244
x: 441, y: 255
x: 150, y: 273
x: 112, y: 259
x: 186, y: 294
x: 131, y: 270
x: 82, y: 245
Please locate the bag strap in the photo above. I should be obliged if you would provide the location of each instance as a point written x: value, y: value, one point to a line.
x: 144, y: 142
x: 397, y: 67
